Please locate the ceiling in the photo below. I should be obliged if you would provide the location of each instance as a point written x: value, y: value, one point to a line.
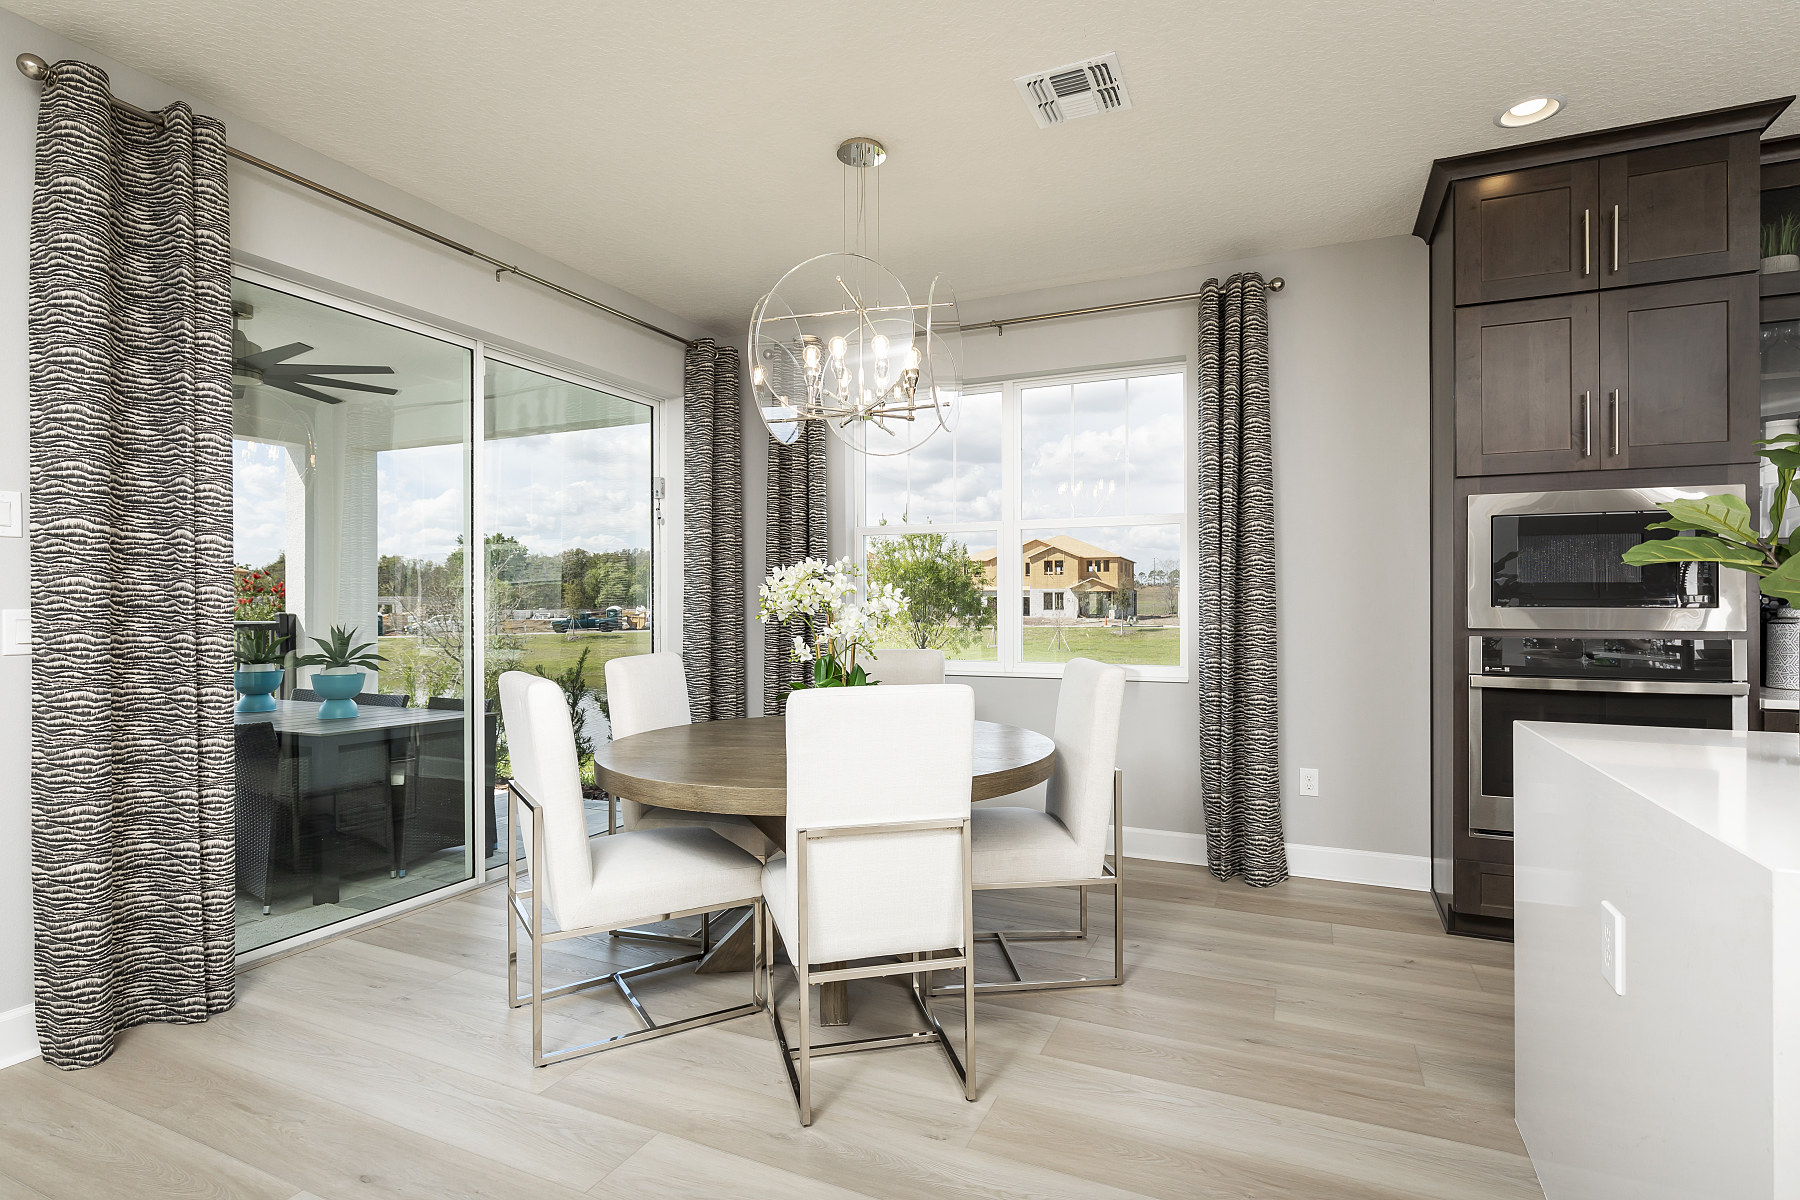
x: 686, y: 155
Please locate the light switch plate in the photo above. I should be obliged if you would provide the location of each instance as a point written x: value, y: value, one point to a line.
x: 1612, y: 946
x: 12, y: 514
x: 15, y: 631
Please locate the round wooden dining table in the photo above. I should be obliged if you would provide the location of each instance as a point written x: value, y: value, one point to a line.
x: 740, y: 767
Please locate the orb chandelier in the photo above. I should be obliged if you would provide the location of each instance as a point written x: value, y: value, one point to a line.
x: 840, y: 340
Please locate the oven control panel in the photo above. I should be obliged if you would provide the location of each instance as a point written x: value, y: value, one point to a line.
x: 1693, y: 660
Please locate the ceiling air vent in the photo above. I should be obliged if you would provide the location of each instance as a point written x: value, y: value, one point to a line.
x: 1082, y: 89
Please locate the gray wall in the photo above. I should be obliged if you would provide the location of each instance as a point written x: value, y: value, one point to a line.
x: 289, y: 231
x: 1348, y: 360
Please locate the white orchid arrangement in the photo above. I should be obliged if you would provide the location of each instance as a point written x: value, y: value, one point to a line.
x: 838, y: 626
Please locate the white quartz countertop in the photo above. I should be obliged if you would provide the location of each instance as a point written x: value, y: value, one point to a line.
x: 1742, y: 789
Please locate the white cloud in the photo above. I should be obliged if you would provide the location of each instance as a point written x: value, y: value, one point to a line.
x: 258, y: 501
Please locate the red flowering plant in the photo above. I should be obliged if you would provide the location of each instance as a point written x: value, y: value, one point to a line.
x: 259, y: 595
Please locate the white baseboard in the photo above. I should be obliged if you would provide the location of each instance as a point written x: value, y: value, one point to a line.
x: 1375, y: 868
x: 18, y: 1035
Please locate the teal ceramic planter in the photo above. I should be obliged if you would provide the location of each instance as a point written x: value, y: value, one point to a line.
x: 338, y: 690
x: 257, y: 687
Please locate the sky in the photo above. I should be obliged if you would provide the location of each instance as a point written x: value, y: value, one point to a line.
x: 588, y: 488
x: 1087, y: 450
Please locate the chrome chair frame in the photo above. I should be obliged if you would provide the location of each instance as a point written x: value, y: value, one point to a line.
x: 798, y: 1059
x: 533, y: 921
x: 1111, y: 876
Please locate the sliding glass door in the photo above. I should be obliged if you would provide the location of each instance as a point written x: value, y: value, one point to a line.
x: 569, y: 507
x: 352, y: 455
x: 359, y: 437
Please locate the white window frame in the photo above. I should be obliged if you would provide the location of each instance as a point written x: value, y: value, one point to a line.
x: 1011, y: 532
x: 666, y: 574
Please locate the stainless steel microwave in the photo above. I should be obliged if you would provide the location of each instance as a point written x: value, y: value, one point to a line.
x: 1552, y: 560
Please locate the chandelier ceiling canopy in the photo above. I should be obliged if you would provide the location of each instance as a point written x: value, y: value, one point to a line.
x: 840, y: 339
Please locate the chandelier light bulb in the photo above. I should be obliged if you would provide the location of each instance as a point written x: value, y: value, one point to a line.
x: 880, y: 343
x: 912, y: 358
x: 812, y: 357
x: 756, y: 376
x: 837, y: 349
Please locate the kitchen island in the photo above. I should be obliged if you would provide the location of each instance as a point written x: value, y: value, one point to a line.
x: 1657, y: 1027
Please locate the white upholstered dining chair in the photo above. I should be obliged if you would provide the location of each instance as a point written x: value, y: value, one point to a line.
x: 594, y: 886
x: 650, y: 691
x: 906, y: 665
x: 1064, y: 845
x: 877, y: 859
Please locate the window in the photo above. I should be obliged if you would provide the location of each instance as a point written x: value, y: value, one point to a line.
x: 1089, y: 472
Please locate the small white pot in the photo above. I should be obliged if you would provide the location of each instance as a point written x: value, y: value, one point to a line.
x: 1776, y: 264
x: 260, y: 667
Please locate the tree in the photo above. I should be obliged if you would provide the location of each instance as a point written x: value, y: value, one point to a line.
x: 576, y: 692
x: 442, y: 627
x: 945, y: 605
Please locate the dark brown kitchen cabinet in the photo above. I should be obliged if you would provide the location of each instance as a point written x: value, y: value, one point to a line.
x: 1527, y: 233
x: 1678, y: 365
x: 1527, y: 377
x: 1680, y: 211
x: 1658, y: 376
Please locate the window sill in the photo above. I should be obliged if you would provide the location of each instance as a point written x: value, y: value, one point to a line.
x: 1133, y: 674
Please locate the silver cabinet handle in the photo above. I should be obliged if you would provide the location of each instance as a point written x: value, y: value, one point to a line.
x: 1586, y: 427
x: 1615, y: 239
x: 1615, y: 422
x: 1586, y: 243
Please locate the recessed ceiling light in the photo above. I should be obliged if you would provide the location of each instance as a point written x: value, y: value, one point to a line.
x: 1529, y: 111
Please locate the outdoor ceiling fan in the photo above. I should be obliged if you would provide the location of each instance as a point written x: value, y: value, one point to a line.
x: 250, y: 364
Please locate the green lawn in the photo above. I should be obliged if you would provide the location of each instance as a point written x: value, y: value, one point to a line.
x: 1140, y: 645
x: 555, y: 652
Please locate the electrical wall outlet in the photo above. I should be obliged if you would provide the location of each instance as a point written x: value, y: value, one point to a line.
x: 12, y: 515
x: 1612, y: 946
x: 1309, y: 781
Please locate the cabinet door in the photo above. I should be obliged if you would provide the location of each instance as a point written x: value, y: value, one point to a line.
x: 1527, y: 378
x: 1530, y: 233
x: 1678, y: 365
x: 1680, y: 211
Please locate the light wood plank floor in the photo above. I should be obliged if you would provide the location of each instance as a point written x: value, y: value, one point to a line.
x: 1313, y: 1040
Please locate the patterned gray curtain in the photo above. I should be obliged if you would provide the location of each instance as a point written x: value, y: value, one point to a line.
x: 1239, y: 721
x: 132, y: 826
x: 797, y: 529
x: 712, y: 643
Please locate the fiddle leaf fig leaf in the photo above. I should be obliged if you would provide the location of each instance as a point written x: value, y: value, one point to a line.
x: 1697, y: 549
x: 1784, y: 582
x: 1788, y: 457
x: 1726, y: 516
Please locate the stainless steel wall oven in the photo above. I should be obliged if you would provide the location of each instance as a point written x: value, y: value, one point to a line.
x: 1693, y: 683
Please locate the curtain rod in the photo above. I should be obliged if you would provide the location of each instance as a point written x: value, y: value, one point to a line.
x: 35, y: 68
x: 1275, y: 285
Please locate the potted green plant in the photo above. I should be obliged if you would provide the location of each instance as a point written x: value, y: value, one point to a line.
x: 1781, y: 244
x: 340, y: 667
x: 261, y: 666
x: 1726, y: 533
